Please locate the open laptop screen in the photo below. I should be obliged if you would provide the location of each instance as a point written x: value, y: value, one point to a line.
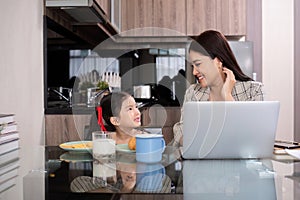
x: 229, y: 129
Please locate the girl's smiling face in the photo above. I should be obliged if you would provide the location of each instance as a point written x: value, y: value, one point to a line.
x: 130, y: 116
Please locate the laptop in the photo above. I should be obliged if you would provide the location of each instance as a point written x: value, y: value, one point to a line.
x: 229, y: 130
x: 228, y: 179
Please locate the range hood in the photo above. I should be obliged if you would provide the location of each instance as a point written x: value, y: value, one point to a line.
x: 84, y: 11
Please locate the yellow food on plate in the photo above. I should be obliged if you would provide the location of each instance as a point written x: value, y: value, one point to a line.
x: 82, y: 145
x: 132, y: 143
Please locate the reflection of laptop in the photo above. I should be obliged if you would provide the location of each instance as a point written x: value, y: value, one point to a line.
x: 240, y: 129
x: 228, y: 179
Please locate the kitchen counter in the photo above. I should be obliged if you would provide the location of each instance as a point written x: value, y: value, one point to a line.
x: 61, y: 107
x: 69, y: 110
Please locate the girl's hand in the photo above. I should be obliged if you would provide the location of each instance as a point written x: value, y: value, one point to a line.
x: 228, y: 84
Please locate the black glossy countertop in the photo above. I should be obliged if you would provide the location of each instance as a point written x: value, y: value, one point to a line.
x: 69, y: 110
x: 61, y: 107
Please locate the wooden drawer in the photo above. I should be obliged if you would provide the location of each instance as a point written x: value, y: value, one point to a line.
x: 65, y: 128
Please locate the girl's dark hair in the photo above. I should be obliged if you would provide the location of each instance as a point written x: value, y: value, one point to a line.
x: 111, y: 106
x: 214, y: 44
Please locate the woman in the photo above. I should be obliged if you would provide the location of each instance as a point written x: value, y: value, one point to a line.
x: 120, y: 114
x: 219, y: 76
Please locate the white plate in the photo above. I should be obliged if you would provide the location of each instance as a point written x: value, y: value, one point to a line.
x: 124, y: 148
x: 67, y: 146
x: 76, y: 157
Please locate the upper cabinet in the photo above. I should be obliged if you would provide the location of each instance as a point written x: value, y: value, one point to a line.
x: 183, y: 17
x: 227, y: 16
x: 105, y: 6
x: 233, y: 17
x: 138, y: 15
x: 93, y: 21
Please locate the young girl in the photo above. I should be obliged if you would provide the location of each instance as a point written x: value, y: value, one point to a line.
x: 120, y: 114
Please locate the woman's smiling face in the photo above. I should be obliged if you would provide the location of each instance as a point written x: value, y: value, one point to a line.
x: 205, y: 69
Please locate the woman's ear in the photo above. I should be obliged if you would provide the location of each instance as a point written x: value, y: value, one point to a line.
x: 219, y: 62
x: 114, y: 121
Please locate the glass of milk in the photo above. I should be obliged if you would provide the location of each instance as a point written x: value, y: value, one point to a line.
x: 104, y: 147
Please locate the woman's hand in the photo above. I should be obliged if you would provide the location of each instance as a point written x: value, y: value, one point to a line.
x: 228, y: 84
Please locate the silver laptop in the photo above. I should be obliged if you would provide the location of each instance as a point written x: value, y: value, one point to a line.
x: 231, y: 129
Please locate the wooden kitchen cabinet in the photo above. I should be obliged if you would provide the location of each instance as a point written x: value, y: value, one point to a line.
x: 227, y: 16
x: 184, y: 17
x: 64, y: 128
x: 105, y: 6
x: 168, y: 14
x: 60, y: 128
x: 161, y: 117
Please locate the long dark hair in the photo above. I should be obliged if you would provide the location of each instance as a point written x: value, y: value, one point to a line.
x: 111, y: 106
x: 214, y: 44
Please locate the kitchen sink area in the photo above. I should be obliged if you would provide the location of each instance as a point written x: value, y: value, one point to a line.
x: 59, y: 102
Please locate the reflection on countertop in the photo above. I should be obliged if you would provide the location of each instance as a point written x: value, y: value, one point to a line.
x: 62, y: 107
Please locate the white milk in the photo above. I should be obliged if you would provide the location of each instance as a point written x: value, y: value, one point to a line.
x: 104, y: 148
